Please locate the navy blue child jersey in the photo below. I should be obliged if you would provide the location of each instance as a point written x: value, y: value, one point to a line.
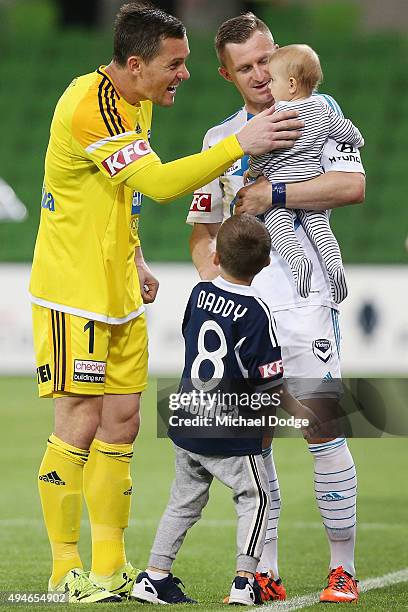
x: 230, y: 346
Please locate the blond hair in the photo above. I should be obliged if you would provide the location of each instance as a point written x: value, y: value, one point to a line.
x: 302, y: 63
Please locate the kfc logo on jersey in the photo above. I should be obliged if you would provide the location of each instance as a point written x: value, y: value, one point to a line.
x: 126, y: 156
x: 269, y: 370
x: 201, y: 202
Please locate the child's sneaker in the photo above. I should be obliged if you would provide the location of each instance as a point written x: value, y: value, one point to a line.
x: 164, y: 591
x: 243, y: 592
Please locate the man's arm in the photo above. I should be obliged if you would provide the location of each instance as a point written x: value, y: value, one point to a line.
x: 166, y: 182
x: 330, y: 190
x: 202, y: 248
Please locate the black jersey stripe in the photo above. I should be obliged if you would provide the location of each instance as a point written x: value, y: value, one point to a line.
x: 107, y: 89
x: 107, y: 105
x: 115, y: 110
x: 54, y: 346
x: 102, y: 109
x: 105, y: 76
x: 58, y: 328
x: 64, y: 352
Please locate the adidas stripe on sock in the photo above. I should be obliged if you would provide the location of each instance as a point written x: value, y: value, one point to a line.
x: 336, y: 494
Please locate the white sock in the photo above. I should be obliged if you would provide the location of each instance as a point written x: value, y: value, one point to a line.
x: 336, y: 492
x: 269, y: 558
x: 157, y: 575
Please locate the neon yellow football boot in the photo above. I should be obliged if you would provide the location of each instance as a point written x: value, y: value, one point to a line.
x: 80, y: 589
x: 120, y: 583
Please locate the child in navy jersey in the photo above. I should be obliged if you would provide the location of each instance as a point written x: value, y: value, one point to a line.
x: 230, y: 345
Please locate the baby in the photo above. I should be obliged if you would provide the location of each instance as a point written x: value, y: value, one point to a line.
x: 295, y: 74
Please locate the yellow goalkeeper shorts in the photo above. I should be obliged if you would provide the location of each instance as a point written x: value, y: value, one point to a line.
x: 82, y: 357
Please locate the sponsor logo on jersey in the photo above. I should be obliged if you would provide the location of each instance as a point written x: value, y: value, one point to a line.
x: 348, y: 154
x: 137, y: 201
x: 236, y: 167
x: 322, y: 349
x: 126, y: 156
x: 43, y: 373
x: 86, y: 370
x: 201, y: 202
x: 134, y: 226
x: 269, y: 370
x: 343, y: 147
x: 47, y: 200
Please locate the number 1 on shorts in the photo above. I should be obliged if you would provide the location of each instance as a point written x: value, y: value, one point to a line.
x: 91, y: 326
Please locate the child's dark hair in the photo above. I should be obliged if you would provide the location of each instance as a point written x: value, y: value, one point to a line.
x: 243, y: 246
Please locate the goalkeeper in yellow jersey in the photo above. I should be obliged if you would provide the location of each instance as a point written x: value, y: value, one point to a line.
x: 89, y: 283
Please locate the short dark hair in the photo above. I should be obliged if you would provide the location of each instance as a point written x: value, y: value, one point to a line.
x: 243, y: 246
x: 237, y: 30
x: 139, y: 30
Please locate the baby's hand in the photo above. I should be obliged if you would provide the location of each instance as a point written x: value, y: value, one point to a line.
x: 248, y: 177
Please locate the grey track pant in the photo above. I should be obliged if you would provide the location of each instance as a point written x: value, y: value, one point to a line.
x: 245, y: 475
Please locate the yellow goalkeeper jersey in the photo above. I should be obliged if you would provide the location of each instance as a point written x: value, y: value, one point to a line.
x: 84, y: 255
x: 98, y: 155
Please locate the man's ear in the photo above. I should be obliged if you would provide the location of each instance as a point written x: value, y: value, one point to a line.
x: 216, y: 259
x: 222, y: 71
x: 135, y: 64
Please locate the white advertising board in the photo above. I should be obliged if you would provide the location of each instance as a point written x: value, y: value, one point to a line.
x: 374, y: 320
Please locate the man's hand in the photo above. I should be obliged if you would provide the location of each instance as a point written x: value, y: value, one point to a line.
x: 329, y: 190
x: 254, y: 199
x: 149, y: 285
x: 269, y: 131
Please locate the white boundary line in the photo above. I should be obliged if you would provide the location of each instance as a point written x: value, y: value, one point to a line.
x: 297, y: 603
x: 38, y: 522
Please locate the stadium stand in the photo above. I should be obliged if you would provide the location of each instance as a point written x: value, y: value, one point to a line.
x: 367, y: 74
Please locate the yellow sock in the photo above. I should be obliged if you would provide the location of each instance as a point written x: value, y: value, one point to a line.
x: 107, y: 490
x: 60, y: 486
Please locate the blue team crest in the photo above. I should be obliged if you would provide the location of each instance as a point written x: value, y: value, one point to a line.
x: 137, y: 201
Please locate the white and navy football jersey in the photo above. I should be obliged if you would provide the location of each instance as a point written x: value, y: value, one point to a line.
x: 230, y: 348
x: 211, y: 204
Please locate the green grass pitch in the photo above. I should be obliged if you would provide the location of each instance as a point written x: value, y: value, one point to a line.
x: 206, y: 560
